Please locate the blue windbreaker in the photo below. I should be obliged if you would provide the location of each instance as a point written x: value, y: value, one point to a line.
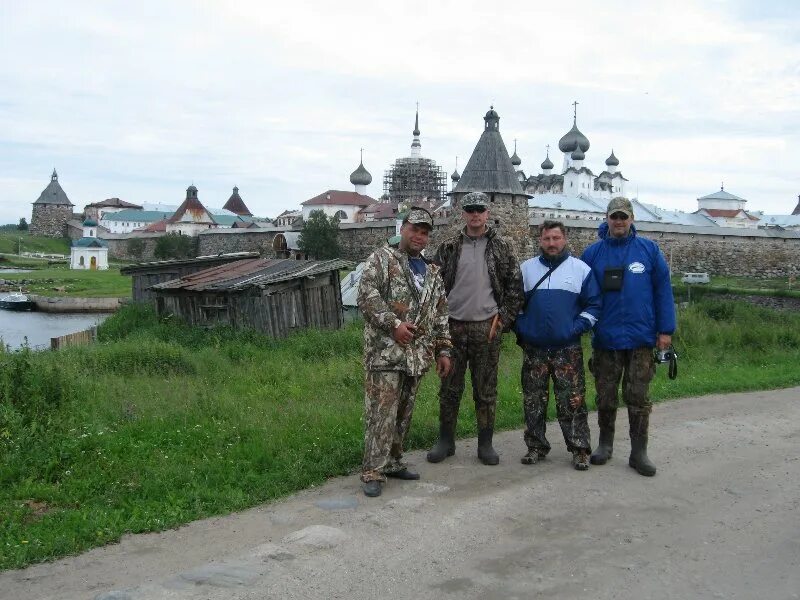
x: 563, y: 307
x: 644, y: 307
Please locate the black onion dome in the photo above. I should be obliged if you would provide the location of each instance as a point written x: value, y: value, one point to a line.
x: 360, y: 176
x: 573, y: 139
x: 612, y: 161
x: 516, y: 160
x: 455, y: 176
x: 547, y: 164
x: 578, y: 154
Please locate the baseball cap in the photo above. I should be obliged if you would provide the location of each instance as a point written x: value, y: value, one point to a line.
x: 620, y: 204
x: 418, y: 216
x: 475, y: 199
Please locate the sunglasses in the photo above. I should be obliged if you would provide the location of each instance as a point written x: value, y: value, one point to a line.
x: 618, y: 216
x: 474, y: 209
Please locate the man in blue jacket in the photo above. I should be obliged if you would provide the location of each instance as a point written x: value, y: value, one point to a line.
x: 638, y: 314
x: 562, y: 301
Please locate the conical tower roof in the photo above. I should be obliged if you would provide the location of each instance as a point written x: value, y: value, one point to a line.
x: 236, y: 205
x: 796, y: 210
x: 192, y: 205
x: 53, y: 193
x: 489, y: 169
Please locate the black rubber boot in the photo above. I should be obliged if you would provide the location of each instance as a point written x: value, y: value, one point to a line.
x: 639, y: 460
x: 606, y: 420
x: 445, y: 445
x: 486, y: 453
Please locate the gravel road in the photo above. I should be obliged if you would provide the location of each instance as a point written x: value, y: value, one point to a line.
x: 721, y: 519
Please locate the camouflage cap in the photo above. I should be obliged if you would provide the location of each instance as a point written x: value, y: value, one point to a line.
x: 475, y: 199
x: 620, y: 204
x: 418, y: 216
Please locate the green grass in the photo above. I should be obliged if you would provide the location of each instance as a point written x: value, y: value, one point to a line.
x: 10, y: 243
x: 739, y: 286
x: 60, y: 280
x: 160, y: 424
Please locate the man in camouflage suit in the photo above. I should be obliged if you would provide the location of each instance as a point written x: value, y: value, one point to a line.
x: 562, y: 301
x: 405, y: 326
x: 484, y: 294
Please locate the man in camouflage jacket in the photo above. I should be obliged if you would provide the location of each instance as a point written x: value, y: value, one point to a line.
x: 404, y: 306
x: 484, y: 293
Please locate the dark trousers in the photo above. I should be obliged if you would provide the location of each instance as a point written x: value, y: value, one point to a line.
x: 471, y: 348
x: 565, y: 367
x: 635, y: 368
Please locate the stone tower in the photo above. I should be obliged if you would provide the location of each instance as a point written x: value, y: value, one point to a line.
x: 51, y: 211
x: 490, y: 170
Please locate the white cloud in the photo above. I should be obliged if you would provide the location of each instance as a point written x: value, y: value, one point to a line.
x: 137, y: 101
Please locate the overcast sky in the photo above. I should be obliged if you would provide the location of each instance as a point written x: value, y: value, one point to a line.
x: 139, y: 100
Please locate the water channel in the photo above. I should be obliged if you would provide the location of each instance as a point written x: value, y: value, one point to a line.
x: 39, y: 327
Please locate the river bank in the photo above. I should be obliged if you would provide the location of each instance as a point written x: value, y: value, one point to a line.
x: 61, y: 304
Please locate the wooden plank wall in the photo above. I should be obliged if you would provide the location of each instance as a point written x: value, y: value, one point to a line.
x: 283, y: 308
x: 79, y: 338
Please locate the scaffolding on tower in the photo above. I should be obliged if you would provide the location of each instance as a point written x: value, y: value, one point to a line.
x: 415, y: 178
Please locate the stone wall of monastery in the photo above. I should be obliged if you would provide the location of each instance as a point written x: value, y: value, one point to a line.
x: 760, y: 254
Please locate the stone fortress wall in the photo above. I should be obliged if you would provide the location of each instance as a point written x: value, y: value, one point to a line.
x: 718, y: 251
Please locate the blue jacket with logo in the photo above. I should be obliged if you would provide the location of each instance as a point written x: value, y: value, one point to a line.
x: 563, y: 307
x: 633, y: 316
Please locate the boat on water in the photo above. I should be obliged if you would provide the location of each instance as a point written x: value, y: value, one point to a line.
x: 17, y: 301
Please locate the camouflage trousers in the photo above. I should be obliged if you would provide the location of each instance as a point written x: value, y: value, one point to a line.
x: 471, y: 348
x: 389, y: 398
x: 565, y: 367
x: 636, y: 370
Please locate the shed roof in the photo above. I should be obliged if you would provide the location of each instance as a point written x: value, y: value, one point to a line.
x: 213, y: 259
x: 248, y: 273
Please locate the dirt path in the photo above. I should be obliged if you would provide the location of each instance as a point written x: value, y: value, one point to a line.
x: 721, y: 519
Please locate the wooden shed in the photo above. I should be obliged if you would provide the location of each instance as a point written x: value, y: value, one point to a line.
x: 147, y: 274
x: 275, y: 296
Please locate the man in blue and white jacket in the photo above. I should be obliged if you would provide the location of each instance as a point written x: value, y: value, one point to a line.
x: 638, y: 314
x: 564, y: 305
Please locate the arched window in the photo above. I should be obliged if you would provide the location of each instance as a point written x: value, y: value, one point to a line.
x: 81, y: 262
x: 341, y: 215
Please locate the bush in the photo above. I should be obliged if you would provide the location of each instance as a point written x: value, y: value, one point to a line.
x: 175, y: 246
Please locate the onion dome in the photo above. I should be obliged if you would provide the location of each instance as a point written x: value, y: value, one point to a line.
x: 612, y: 161
x: 547, y: 164
x: 455, y: 176
x: 360, y: 176
x: 573, y: 139
x: 515, y: 160
x: 578, y: 154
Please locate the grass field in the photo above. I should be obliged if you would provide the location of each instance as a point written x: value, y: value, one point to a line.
x: 160, y: 424
x: 60, y: 280
x: 12, y: 241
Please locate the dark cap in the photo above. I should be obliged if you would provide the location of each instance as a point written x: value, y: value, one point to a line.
x: 475, y: 199
x: 620, y: 204
x: 418, y: 216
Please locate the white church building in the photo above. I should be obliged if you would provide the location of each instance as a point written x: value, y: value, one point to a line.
x: 89, y: 252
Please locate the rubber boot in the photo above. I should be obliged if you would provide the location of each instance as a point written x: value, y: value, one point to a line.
x: 639, y: 425
x: 445, y: 446
x: 606, y: 420
x: 486, y: 453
